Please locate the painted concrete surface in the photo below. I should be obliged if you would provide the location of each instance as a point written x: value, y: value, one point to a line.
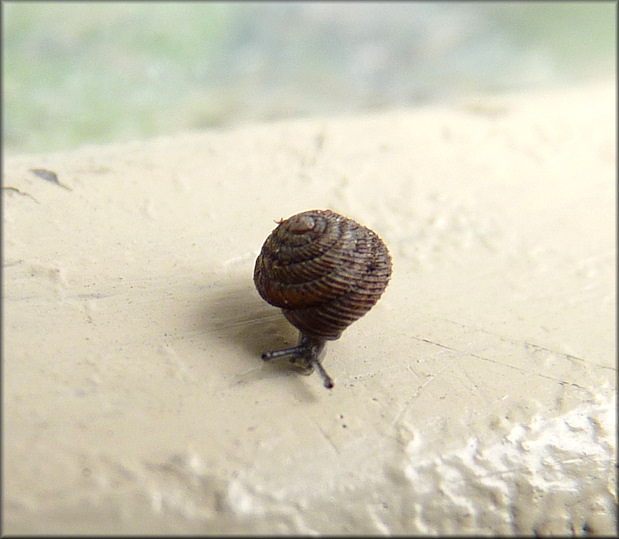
x: 478, y: 396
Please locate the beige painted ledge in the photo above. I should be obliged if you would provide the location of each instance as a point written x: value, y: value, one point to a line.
x: 476, y: 397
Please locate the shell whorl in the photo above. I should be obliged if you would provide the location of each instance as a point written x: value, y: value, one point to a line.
x: 323, y: 270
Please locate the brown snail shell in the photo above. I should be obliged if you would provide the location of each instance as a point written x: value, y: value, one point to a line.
x: 324, y: 271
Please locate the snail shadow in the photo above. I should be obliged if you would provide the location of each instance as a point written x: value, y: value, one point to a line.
x: 236, y: 315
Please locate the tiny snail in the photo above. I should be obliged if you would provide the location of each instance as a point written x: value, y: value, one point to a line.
x: 324, y: 271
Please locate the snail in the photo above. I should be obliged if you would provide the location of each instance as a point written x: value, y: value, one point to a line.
x: 324, y: 271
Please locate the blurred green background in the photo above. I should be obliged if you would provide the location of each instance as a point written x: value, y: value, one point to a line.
x: 79, y: 73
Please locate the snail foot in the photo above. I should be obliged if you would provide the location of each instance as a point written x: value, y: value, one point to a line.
x: 306, y: 354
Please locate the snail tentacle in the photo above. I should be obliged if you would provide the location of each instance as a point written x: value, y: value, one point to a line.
x: 309, y: 350
x: 326, y: 379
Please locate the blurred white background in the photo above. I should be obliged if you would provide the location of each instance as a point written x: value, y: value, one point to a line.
x: 77, y: 73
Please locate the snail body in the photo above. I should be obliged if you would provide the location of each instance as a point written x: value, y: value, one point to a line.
x: 324, y: 271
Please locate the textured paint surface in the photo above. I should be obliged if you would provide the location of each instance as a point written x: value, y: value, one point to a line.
x: 476, y: 397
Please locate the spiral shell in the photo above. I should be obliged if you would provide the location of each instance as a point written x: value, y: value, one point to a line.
x: 324, y: 270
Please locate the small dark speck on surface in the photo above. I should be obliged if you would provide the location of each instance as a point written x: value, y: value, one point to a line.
x: 48, y: 176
